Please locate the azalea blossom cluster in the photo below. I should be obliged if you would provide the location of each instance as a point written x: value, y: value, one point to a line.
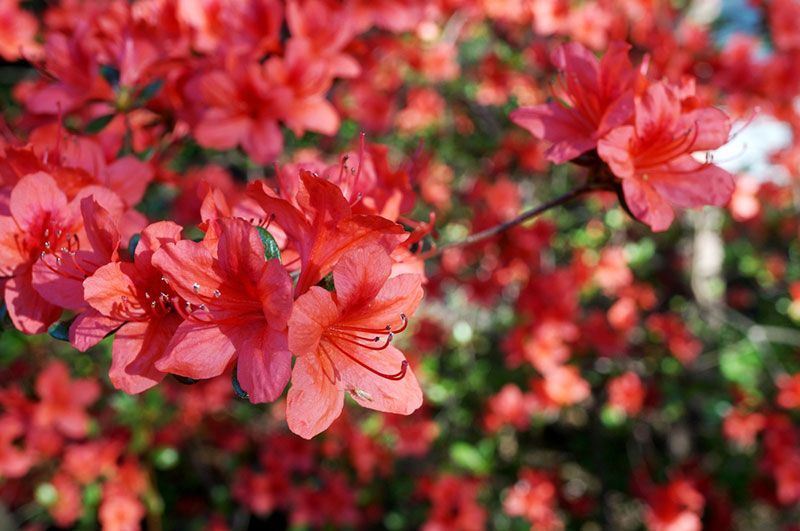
x: 155, y: 71
x: 195, y: 308
x: 644, y: 131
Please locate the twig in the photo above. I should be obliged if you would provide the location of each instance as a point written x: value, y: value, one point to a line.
x: 497, y: 229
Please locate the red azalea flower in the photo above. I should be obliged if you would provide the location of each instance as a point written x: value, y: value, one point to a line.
x: 14, y: 461
x: 788, y: 391
x: 654, y: 159
x: 64, y: 401
x: 241, y: 303
x: 321, y: 224
x: 243, y: 108
x: 59, y: 277
x: 134, y: 296
x: 342, y: 343
x: 535, y: 498
x: 454, y: 504
x: 594, y: 97
x: 626, y: 393
x: 40, y: 225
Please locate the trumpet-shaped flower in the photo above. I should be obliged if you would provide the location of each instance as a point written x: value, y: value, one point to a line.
x: 653, y: 157
x: 237, y: 307
x: 342, y: 341
x: 594, y: 97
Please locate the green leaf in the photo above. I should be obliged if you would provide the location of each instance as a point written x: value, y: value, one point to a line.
x: 99, y: 123
x: 327, y: 282
x: 185, y: 380
x: 110, y: 74
x: 271, y: 249
x: 60, y: 330
x: 46, y: 494
x: 145, y: 155
x: 165, y: 457
x: 134, y: 241
x: 741, y: 364
x: 237, y: 387
x: 467, y: 456
x: 149, y: 91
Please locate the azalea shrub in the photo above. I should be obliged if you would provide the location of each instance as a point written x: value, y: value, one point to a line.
x: 399, y: 264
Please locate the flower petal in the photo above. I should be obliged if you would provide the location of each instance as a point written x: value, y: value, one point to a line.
x: 265, y: 364
x: 313, y: 312
x: 647, y: 205
x: 201, y: 351
x: 29, y: 311
x: 314, y: 400
x: 359, y: 275
x: 370, y: 390
x: 136, y: 349
x: 89, y: 328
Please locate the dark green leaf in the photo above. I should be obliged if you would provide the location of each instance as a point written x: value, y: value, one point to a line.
x: 133, y: 243
x: 99, y: 123
x: 60, y: 330
x: 271, y: 249
x: 237, y: 387
x: 110, y: 74
x: 145, y: 155
x: 327, y: 282
x: 149, y: 91
x: 185, y: 380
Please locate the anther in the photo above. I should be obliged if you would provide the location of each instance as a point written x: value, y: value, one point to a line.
x: 196, y: 287
x: 217, y: 294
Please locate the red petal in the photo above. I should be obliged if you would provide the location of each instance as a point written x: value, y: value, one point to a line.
x: 136, y: 349
x: 314, y: 400
x: 265, y: 364
x: 578, y: 61
x: 275, y: 291
x: 313, y: 312
x: 219, y: 130
x: 30, y: 313
x: 688, y: 183
x: 202, y: 351
x: 106, y: 287
x: 153, y: 238
x: 400, y: 295
x: 101, y: 229
x: 34, y: 196
x: 89, y: 328
x: 647, y: 205
x: 554, y: 123
x: 375, y: 392
x: 186, y: 263
x: 615, y: 149
x: 657, y: 112
x: 263, y: 141
x: 129, y: 177
x: 359, y: 275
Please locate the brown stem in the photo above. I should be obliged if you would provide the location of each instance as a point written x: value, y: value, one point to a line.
x: 497, y: 229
